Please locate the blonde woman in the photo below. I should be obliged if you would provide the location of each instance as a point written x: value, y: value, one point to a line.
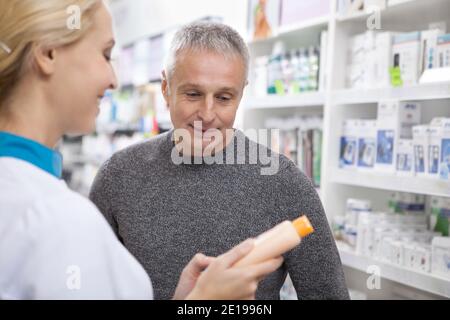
x: 55, y: 244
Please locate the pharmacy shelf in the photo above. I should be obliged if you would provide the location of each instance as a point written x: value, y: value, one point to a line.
x: 309, y: 99
x: 430, y: 91
x: 419, y: 280
x: 391, y: 182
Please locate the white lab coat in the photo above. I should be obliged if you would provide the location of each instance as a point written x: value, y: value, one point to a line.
x: 55, y: 244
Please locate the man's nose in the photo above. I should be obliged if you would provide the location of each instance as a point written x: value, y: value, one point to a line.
x: 207, y: 111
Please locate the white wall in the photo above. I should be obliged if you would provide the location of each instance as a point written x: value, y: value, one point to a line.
x: 138, y: 18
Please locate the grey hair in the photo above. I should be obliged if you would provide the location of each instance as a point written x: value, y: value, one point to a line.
x: 208, y: 36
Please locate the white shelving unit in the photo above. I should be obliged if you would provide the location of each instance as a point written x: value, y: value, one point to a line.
x: 420, y: 92
x: 392, y: 182
x: 419, y: 280
x: 309, y: 99
x: 337, y: 103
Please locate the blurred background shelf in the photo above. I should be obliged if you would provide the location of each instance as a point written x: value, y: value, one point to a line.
x: 412, y: 278
x: 392, y: 182
x: 309, y: 99
x: 418, y: 92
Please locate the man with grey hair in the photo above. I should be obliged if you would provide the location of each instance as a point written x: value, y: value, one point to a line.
x: 165, y: 211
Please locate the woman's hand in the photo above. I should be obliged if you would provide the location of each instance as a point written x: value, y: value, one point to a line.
x: 190, y: 274
x: 220, y: 281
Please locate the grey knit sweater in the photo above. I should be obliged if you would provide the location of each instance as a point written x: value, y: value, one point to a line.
x: 165, y: 213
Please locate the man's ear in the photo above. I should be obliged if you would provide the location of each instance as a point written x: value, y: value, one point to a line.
x: 165, y: 87
x: 45, y: 60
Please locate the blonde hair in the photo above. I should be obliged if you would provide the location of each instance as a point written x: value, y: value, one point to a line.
x: 29, y: 23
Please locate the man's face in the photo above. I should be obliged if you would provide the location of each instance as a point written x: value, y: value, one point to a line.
x: 205, y: 87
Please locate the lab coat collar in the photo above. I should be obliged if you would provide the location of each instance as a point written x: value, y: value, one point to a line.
x: 30, y: 151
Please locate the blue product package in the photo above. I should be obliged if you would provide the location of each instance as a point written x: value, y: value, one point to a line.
x: 366, y: 152
x: 385, y: 146
x: 419, y: 156
x: 404, y: 162
x: 445, y: 159
x: 433, y: 155
x: 347, y: 152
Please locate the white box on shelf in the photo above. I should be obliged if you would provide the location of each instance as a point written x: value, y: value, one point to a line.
x: 397, y: 256
x: 260, y: 84
x: 349, y: 143
x: 406, y: 55
x: 428, y: 52
x: 436, y: 130
x: 441, y: 256
x: 421, y: 140
x: 443, y: 51
x: 405, y: 157
x: 383, y: 58
x: 422, y: 261
x: 361, y: 60
x: 395, y: 120
x: 409, y: 255
x: 367, y: 149
x: 323, y: 60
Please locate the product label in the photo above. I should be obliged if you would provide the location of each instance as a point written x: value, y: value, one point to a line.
x: 385, y: 146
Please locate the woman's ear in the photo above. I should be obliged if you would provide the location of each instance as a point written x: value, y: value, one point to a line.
x: 45, y: 60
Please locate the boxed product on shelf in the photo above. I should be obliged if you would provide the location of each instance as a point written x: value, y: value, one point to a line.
x: 361, y: 60
x: 421, y: 140
x: 422, y: 261
x: 301, y: 141
x: 349, y: 143
x: 441, y: 256
x: 429, y: 52
x: 395, y: 120
x: 366, y: 143
x: 260, y: 76
x: 383, y: 58
x: 444, y: 166
x: 406, y: 56
x: 443, y: 51
x: 440, y: 215
x: 288, y: 72
x: 408, y: 203
x: 405, y: 157
x: 434, y: 149
x: 354, y: 209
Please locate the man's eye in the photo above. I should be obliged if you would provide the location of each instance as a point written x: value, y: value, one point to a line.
x: 224, y: 98
x: 193, y: 94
